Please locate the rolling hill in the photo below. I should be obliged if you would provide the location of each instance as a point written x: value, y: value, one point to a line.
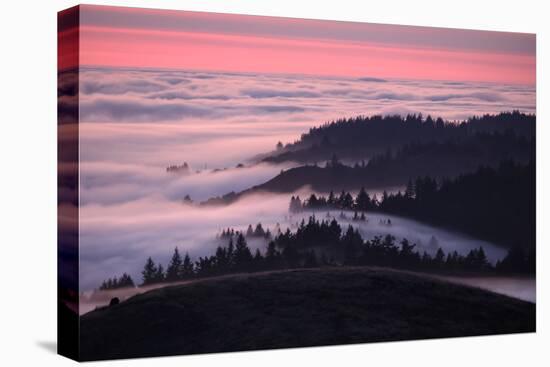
x: 296, y: 308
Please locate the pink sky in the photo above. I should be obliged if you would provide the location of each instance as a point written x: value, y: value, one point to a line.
x: 130, y: 37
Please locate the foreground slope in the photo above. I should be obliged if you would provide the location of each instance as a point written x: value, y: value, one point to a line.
x: 296, y: 309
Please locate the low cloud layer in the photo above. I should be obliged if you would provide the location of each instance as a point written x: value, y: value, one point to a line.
x: 136, y: 123
x: 140, y: 96
x: 119, y: 238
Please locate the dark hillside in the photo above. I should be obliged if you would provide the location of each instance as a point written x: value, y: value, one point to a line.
x: 296, y: 309
x: 438, y: 160
x: 362, y: 137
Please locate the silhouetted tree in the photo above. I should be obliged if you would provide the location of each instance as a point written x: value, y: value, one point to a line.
x: 174, y: 272
x: 259, y: 230
x: 249, y: 231
x: 187, y: 268
x: 149, y: 272
x: 362, y: 201
x: 160, y: 276
x: 242, y: 255
x: 125, y: 281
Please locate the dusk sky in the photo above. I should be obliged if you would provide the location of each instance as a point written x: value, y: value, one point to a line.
x: 164, y: 39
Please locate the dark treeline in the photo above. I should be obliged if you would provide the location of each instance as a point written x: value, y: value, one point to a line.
x: 124, y: 281
x: 494, y: 204
x: 475, y: 143
x: 181, y: 169
x: 393, y: 167
x: 316, y: 244
x: 326, y: 242
x: 366, y: 136
x: 257, y: 232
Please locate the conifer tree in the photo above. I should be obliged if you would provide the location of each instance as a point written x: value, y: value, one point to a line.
x: 187, y: 268
x: 362, y: 201
x: 249, y: 231
x: 149, y: 272
x: 331, y: 201
x: 259, y: 230
x: 160, y: 276
x: 174, y: 270
x: 242, y: 256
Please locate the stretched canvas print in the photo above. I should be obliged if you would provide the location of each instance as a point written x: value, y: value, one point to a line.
x: 234, y: 182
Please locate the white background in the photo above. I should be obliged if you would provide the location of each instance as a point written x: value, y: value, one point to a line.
x: 28, y: 182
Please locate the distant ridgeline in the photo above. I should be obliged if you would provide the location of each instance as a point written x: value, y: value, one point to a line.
x: 360, y: 137
x: 446, y: 159
x: 397, y: 149
x: 320, y: 244
x: 496, y: 205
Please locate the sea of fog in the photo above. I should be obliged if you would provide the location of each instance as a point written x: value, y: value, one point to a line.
x: 127, y: 234
x: 135, y: 123
x: 124, y: 235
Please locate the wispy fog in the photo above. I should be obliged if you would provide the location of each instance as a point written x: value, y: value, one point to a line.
x: 113, y: 183
x: 118, y: 238
x: 136, y: 123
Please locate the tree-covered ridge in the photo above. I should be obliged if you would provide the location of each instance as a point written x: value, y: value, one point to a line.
x: 496, y: 205
x: 319, y: 243
x: 257, y: 232
x: 363, y: 136
x: 124, y: 281
x: 394, y: 168
x: 437, y: 159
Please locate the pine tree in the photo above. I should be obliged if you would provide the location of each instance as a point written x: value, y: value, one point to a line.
x: 259, y: 230
x: 331, y: 201
x: 149, y: 272
x: 348, y: 201
x: 174, y: 270
x: 159, y: 275
x: 439, y: 258
x: 249, y: 231
x: 312, y: 202
x: 187, y: 268
x: 242, y: 256
x: 258, y: 260
x: 231, y: 254
x: 271, y: 252
x: 362, y: 201
x: 125, y: 281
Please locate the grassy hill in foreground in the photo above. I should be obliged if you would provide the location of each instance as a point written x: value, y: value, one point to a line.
x: 296, y: 308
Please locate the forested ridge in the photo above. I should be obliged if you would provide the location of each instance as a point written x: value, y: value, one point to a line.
x: 445, y: 159
x: 379, y: 152
x: 494, y: 204
x: 362, y: 136
x: 319, y: 243
x: 476, y: 177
